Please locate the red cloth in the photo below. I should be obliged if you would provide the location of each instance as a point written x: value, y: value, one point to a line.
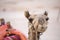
x: 3, y: 32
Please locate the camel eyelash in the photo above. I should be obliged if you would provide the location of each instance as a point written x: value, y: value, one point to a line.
x: 47, y: 19
x: 30, y: 19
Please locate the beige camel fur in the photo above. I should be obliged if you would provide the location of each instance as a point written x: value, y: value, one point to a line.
x: 37, y: 25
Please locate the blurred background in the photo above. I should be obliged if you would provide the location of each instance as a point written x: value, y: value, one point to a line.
x: 13, y: 11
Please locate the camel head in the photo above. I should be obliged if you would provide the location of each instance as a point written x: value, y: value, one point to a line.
x: 39, y: 21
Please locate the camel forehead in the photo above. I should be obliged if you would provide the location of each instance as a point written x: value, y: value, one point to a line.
x: 38, y: 16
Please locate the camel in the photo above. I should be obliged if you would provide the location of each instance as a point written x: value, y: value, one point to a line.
x: 37, y: 24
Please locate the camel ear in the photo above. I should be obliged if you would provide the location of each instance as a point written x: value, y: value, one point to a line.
x: 27, y: 14
x: 46, y: 13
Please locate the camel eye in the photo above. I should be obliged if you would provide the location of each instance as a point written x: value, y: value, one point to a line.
x: 31, y: 20
x: 47, y: 19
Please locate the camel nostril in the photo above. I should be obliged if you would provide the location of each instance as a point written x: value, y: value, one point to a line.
x: 42, y: 27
